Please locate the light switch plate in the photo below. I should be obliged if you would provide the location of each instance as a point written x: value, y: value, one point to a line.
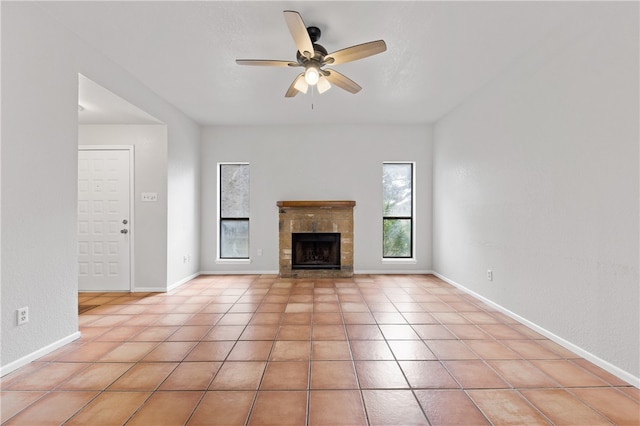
x: 149, y: 196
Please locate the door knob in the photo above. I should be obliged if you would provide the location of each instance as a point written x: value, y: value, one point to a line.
x: 124, y: 231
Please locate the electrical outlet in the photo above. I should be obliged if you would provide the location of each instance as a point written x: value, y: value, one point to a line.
x: 23, y: 315
x: 184, y: 259
x: 489, y: 274
x: 259, y: 252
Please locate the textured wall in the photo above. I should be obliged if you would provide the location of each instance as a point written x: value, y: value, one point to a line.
x: 317, y: 163
x: 536, y: 177
x: 39, y: 184
x: 40, y: 66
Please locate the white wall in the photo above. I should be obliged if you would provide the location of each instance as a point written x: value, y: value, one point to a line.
x: 150, y: 175
x: 316, y: 163
x: 40, y: 66
x: 39, y: 185
x: 536, y: 177
x: 183, y: 203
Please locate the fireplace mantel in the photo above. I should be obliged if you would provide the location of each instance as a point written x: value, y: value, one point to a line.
x: 316, y: 216
x: 316, y: 203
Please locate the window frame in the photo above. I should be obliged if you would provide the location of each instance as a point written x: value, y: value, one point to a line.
x: 220, y: 219
x: 411, y: 217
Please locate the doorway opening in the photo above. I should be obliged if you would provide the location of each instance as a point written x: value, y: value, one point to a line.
x: 109, y: 124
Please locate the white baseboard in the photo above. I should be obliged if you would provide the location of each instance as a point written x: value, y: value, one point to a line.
x: 6, y: 369
x: 363, y: 272
x: 182, y: 281
x: 165, y: 289
x: 616, y: 371
x: 393, y: 272
x: 239, y: 272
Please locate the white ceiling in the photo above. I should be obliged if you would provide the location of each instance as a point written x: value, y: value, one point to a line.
x: 438, y: 53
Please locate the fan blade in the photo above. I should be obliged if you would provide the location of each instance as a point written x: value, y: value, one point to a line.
x: 267, y: 63
x: 341, y: 81
x: 354, y: 53
x: 298, y: 31
x: 298, y: 85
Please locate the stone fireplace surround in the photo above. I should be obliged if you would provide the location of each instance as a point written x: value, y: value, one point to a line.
x: 316, y: 217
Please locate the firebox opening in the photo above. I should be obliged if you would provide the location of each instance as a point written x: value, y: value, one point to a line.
x: 315, y: 250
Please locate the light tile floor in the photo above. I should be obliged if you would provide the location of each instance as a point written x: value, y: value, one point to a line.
x: 251, y: 350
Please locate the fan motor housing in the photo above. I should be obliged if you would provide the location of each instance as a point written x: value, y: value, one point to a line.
x: 319, y: 53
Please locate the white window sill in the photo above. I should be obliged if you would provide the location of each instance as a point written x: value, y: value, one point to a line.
x: 233, y: 261
x: 408, y: 261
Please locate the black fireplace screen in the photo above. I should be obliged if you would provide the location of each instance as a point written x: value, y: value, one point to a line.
x: 315, y: 250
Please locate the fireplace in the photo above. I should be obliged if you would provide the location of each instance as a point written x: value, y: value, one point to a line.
x: 315, y: 250
x: 315, y: 239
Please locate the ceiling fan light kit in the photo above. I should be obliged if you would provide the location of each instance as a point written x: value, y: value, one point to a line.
x: 300, y: 84
x: 313, y: 57
x: 312, y: 74
x: 323, y: 85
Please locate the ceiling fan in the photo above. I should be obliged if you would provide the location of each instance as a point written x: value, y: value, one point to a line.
x: 313, y: 57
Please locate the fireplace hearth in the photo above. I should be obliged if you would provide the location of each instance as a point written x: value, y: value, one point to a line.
x: 316, y: 239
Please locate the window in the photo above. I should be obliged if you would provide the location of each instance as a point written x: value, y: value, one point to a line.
x: 397, y: 212
x: 234, y: 211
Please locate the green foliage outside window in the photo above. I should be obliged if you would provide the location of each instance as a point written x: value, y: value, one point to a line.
x: 396, y: 237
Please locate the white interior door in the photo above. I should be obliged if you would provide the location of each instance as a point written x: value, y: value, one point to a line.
x: 104, y: 244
